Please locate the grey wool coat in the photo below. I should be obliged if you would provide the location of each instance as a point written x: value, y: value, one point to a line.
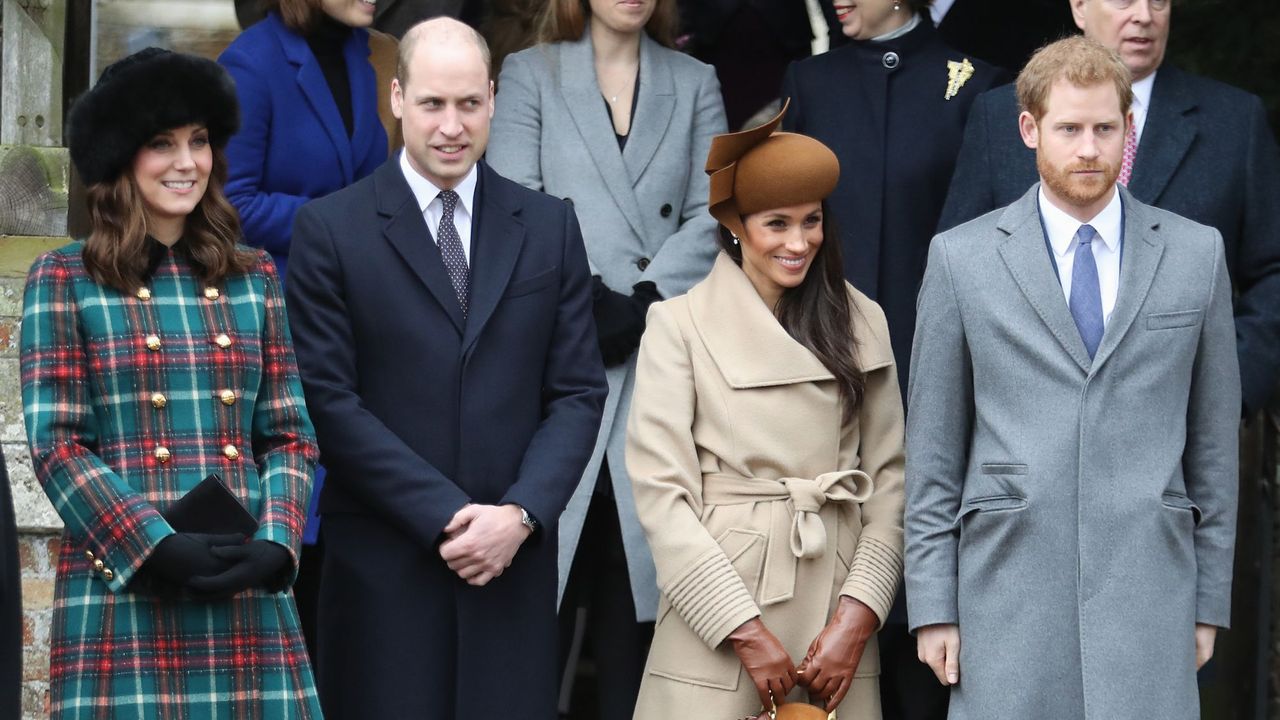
x: 643, y: 213
x: 1076, y: 518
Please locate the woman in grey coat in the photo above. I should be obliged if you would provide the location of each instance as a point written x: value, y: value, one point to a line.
x: 603, y: 114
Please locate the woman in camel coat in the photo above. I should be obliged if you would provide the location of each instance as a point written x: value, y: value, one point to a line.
x: 768, y: 482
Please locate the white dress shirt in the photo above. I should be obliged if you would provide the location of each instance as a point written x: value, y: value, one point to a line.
x: 432, y: 206
x: 1062, y: 229
x: 939, y: 9
x: 1142, y: 102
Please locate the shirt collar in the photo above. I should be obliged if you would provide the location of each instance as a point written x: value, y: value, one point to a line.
x: 1062, y: 227
x: 894, y: 34
x: 1142, y: 91
x: 424, y: 191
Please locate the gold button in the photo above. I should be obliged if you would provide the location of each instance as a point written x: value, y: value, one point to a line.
x: 211, y: 293
x: 144, y: 293
x: 231, y: 452
x: 223, y: 341
x: 158, y: 400
x: 228, y: 397
x: 162, y: 454
x: 88, y: 555
x: 153, y: 342
x: 98, y: 566
x: 108, y: 575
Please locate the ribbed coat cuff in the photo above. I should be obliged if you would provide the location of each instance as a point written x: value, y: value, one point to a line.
x: 711, y: 598
x: 874, y: 575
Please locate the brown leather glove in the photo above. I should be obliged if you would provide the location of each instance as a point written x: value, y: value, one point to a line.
x: 827, y: 670
x: 765, y: 660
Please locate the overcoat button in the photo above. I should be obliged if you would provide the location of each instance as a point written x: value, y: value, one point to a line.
x: 666, y: 210
x: 228, y: 397
x: 108, y: 575
x: 98, y: 566
x: 231, y: 452
x: 88, y: 555
x: 162, y: 454
x: 158, y: 400
x: 642, y: 263
x: 144, y: 293
x: 890, y: 60
x: 223, y: 341
x: 153, y: 342
x: 211, y: 293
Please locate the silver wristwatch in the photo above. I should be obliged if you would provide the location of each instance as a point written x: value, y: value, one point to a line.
x: 527, y: 520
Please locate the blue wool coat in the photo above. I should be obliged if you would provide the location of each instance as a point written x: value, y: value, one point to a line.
x: 292, y: 146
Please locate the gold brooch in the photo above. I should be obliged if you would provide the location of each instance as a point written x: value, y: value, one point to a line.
x: 958, y: 73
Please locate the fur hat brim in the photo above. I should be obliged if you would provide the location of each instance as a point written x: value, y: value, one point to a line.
x: 148, y: 92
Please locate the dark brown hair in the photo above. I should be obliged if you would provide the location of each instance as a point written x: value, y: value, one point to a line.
x: 116, y: 255
x: 301, y: 16
x: 566, y: 20
x: 818, y: 314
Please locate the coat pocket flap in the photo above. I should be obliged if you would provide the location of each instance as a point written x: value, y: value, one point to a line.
x: 991, y: 503
x: 526, y: 286
x: 1178, y: 501
x: 1165, y: 321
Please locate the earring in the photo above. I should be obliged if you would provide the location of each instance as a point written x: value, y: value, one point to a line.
x: 735, y: 238
x: 897, y: 5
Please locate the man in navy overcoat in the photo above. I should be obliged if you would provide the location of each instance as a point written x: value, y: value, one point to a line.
x: 1203, y: 150
x: 442, y: 320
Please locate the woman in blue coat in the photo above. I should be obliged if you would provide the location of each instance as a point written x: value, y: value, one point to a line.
x: 309, y: 126
x: 892, y: 105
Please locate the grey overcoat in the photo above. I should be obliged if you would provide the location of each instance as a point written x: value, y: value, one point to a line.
x: 1075, y: 517
x: 643, y: 213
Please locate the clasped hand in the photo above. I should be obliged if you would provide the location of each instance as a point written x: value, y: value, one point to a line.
x: 481, y: 540
x: 216, y: 566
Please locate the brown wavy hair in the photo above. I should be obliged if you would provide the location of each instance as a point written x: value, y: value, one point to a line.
x: 566, y: 20
x: 115, y: 253
x: 301, y: 16
x: 818, y: 313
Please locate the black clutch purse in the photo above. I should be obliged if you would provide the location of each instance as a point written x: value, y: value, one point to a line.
x: 210, y: 508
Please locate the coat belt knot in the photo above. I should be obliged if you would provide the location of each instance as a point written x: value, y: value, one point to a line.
x: 808, y: 534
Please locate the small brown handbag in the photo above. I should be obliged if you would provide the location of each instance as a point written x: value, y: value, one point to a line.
x: 796, y: 711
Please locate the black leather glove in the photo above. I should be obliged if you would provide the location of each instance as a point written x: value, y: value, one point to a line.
x: 619, y: 323
x: 256, y: 564
x: 180, y: 557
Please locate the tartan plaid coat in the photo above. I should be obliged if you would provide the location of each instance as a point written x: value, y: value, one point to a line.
x: 131, y: 400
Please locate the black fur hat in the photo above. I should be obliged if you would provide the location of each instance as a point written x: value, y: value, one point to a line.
x: 150, y: 91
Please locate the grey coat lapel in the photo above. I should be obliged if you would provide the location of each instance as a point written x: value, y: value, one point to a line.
x: 1166, y: 138
x: 1027, y: 257
x: 586, y: 107
x: 1139, y: 258
x: 655, y: 102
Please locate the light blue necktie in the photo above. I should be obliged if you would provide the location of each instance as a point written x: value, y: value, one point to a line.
x: 1086, y: 296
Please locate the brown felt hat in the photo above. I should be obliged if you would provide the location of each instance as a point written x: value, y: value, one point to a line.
x: 761, y: 168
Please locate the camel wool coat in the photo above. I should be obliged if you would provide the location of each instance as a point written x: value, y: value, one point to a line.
x: 756, y: 498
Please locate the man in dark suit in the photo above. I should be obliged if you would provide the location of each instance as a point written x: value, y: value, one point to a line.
x: 442, y: 320
x: 1199, y: 148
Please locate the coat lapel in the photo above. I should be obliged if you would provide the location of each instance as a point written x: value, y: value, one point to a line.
x: 1139, y: 258
x: 1025, y: 254
x: 745, y: 340
x: 315, y: 89
x: 1166, y: 138
x: 496, y: 239
x: 407, y: 232
x: 586, y: 107
x: 364, y: 93
x: 655, y: 102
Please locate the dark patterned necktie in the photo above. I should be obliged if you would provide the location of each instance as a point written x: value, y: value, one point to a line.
x: 455, y: 260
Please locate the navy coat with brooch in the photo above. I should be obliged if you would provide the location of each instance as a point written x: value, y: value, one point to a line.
x: 881, y: 107
x: 420, y: 411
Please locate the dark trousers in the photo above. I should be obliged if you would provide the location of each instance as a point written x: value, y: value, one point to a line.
x: 908, y: 688
x: 306, y: 592
x: 598, y: 620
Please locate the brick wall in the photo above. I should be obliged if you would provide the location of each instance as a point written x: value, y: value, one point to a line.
x: 39, y: 558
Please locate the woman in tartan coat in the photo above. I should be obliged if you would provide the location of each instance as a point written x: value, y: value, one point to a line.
x: 154, y: 354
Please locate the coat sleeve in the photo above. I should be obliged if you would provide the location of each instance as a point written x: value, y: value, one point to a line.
x: 515, y: 138
x: 876, y: 569
x: 266, y: 217
x: 940, y: 398
x: 971, y: 193
x: 284, y: 445
x: 1257, y: 271
x: 687, y: 255
x: 793, y: 121
x: 1210, y: 461
x: 359, y: 450
x: 693, y: 572
x: 97, y: 506
x: 573, y: 391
